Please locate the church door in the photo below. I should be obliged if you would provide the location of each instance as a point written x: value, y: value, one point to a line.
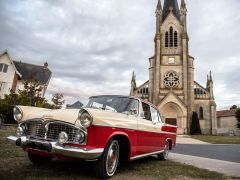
x: 172, y: 121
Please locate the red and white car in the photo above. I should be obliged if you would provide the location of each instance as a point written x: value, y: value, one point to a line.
x: 110, y: 128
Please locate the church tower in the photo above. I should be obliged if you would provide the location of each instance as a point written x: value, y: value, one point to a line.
x: 171, y: 86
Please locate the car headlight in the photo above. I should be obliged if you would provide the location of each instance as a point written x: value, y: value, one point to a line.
x: 17, y: 113
x: 19, y: 131
x: 79, y: 137
x: 85, y: 118
x: 62, y: 138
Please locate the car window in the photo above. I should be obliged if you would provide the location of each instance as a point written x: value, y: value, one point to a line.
x: 133, y: 107
x: 146, y: 111
x: 155, y: 115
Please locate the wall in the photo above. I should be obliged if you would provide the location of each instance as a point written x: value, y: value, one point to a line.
x: 6, y: 77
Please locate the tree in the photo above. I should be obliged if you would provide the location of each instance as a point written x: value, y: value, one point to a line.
x: 29, y: 96
x: 238, y: 117
x: 234, y: 107
x: 195, y: 126
x: 58, y: 100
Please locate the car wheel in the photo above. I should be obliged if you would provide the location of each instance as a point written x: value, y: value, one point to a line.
x: 164, y: 154
x: 106, y: 166
x: 39, y: 160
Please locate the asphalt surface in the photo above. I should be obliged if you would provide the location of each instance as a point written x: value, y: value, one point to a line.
x: 220, y: 152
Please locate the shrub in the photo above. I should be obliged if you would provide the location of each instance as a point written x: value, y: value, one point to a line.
x: 195, y: 125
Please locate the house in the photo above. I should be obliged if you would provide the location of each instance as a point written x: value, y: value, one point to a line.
x: 13, y: 74
x: 227, y: 122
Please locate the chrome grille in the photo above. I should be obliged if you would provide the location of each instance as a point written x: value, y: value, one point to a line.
x: 54, y: 129
x: 35, y: 129
x: 50, y: 131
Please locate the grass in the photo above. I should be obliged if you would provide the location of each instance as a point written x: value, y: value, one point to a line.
x: 15, y: 165
x: 218, y: 139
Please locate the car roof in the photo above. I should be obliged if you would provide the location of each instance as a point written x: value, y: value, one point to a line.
x: 111, y: 96
x: 132, y: 97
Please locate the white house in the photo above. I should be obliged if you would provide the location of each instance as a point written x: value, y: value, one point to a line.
x: 14, y: 73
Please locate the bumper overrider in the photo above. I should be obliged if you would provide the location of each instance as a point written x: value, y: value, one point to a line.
x: 54, y: 149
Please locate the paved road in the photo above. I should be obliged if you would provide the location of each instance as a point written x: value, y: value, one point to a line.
x: 220, y: 152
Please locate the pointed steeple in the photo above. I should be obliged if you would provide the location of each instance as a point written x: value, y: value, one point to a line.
x: 133, y: 84
x: 183, y: 4
x: 159, y: 6
x: 158, y: 16
x: 133, y: 77
x: 211, y: 76
x: 171, y: 5
x: 210, y: 85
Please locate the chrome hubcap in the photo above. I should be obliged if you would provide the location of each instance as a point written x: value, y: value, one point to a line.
x: 112, y: 158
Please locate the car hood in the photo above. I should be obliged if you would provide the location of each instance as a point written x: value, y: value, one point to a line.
x: 100, y: 117
x: 66, y: 115
x: 110, y: 118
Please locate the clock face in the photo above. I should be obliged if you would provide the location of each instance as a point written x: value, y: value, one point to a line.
x: 171, y: 60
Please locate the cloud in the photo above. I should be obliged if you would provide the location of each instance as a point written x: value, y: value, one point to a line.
x: 93, y: 46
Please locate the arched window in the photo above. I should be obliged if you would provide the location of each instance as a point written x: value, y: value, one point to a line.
x: 171, y: 36
x: 201, y: 113
x: 166, y: 39
x: 175, y: 39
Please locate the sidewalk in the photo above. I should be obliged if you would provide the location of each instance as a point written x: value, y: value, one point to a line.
x: 224, y: 167
x: 185, y: 139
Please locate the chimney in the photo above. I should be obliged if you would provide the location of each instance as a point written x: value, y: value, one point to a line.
x: 45, y: 65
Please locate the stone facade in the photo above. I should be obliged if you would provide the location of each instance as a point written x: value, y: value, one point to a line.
x: 171, y: 86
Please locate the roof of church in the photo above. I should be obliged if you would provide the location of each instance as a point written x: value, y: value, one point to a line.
x: 226, y: 113
x: 32, y: 72
x: 174, y: 5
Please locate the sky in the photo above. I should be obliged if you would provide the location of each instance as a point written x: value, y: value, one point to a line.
x: 92, y: 46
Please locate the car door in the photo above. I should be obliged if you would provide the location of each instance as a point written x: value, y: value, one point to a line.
x: 160, y: 137
x: 148, y: 138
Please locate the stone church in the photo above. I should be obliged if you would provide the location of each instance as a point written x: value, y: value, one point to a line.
x: 171, y: 85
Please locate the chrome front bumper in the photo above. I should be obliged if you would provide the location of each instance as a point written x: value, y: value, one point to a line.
x: 54, y: 148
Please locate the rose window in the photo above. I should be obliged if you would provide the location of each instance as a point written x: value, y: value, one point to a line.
x: 171, y: 79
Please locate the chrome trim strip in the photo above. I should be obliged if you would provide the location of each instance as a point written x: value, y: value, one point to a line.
x: 82, y: 153
x: 144, y: 155
x: 162, y: 132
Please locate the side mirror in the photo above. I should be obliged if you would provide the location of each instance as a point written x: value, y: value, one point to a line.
x: 133, y: 111
x: 154, y: 122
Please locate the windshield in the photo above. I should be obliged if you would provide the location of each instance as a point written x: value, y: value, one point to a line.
x: 112, y: 103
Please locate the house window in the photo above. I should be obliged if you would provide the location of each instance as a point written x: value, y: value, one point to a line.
x: 2, y: 86
x: 201, y: 113
x: 3, y: 67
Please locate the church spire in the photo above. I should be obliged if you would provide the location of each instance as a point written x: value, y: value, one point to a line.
x: 210, y: 85
x: 183, y: 15
x: 171, y: 5
x: 183, y: 4
x: 159, y: 6
x: 158, y: 16
x: 133, y: 84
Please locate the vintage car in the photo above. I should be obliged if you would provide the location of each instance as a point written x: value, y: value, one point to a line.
x: 109, y: 129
